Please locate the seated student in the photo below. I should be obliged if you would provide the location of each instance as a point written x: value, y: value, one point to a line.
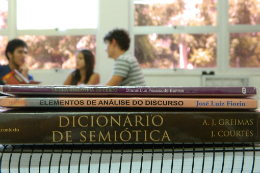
x: 16, y: 53
x: 84, y: 73
x: 126, y: 70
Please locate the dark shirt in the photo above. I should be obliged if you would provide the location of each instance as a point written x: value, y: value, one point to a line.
x: 4, y: 69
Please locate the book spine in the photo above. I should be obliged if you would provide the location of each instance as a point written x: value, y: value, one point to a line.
x: 231, y: 103
x: 129, y: 127
x: 128, y: 90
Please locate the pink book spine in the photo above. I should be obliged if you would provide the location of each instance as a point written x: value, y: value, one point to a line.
x: 230, y: 103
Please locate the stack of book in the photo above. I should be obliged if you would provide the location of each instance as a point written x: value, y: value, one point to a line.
x: 115, y: 117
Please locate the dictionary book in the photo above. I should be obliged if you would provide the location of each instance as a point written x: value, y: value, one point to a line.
x: 112, y: 126
x: 155, y: 91
x: 134, y: 102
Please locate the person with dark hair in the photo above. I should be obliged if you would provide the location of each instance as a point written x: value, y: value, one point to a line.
x: 16, y: 53
x: 84, y: 73
x: 126, y: 71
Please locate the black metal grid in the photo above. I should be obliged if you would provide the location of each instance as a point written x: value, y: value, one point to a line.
x: 210, y: 157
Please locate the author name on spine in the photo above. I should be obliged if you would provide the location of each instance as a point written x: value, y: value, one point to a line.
x: 221, y: 103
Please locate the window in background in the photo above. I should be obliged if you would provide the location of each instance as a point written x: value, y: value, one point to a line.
x: 49, y: 52
x: 49, y: 14
x: 245, y: 49
x: 3, y: 13
x: 245, y: 43
x: 3, y: 43
x: 175, y: 12
x: 244, y: 12
x: 54, y: 30
x: 176, y: 48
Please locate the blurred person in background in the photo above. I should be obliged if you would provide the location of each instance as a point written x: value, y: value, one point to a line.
x: 126, y: 70
x: 84, y: 72
x: 16, y: 53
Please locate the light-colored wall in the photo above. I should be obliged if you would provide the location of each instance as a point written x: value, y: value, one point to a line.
x: 115, y: 13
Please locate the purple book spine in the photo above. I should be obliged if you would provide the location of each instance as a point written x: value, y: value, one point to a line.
x: 127, y: 90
